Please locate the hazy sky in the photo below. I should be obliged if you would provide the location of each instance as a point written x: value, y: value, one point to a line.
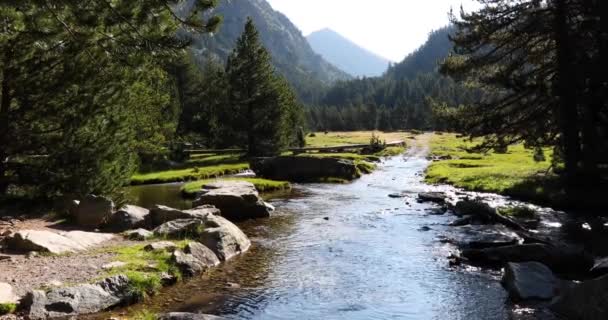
x: 390, y: 28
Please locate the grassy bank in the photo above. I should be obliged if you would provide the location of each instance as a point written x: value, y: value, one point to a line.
x: 262, y: 185
x: 321, y: 139
x: 513, y: 173
x: 189, y: 174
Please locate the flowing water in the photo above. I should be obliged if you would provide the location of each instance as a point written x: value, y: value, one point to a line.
x: 344, y: 252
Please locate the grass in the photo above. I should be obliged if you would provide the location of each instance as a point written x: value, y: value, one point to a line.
x: 355, y: 137
x: 514, y: 173
x: 7, y: 308
x: 342, y: 155
x: 518, y: 212
x: 144, y: 268
x: 144, y: 315
x: 262, y: 185
x: 189, y: 174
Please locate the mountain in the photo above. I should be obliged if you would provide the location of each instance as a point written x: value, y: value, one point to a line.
x: 293, y: 57
x: 346, y: 54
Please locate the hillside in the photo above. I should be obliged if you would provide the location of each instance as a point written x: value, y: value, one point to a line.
x: 293, y: 57
x: 346, y: 54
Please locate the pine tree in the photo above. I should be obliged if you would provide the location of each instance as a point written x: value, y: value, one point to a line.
x: 262, y: 103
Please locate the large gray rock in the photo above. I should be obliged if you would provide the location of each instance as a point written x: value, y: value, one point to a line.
x: 530, y: 281
x: 127, y: 218
x: 93, y: 211
x: 484, y: 236
x: 161, y: 214
x: 180, y: 229
x: 561, y: 259
x: 436, y: 197
x: 202, y: 253
x: 80, y: 299
x: 56, y: 243
x: 224, y: 238
x: 585, y: 301
x: 188, y: 316
x: 139, y: 234
x: 237, y: 200
x: 304, y: 169
x: 7, y: 295
x: 187, y: 263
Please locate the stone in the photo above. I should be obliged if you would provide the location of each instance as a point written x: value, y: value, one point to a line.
x: 236, y: 200
x: 139, y: 234
x: 202, y: 253
x: 161, y: 246
x: 600, y: 267
x: 56, y: 243
x: 168, y: 279
x: 93, y: 211
x: 529, y: 281
x: 128, y: 217
x: 304, y: 169
x: 585, y: 300
x: 180, y: 229
x: 478, y: 209
x: 435, y: 197
x: 396, y: 195
x: 161, y: 214
x: 224, y: 238
x: 484, y: 236
x: 560, y: 259
x: 7, y: 295
x: 436, y: 211
x: 188, y: 316
x: 77, y: 300
x: 188, y: 264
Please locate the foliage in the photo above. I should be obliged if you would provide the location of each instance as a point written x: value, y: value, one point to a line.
x: 82, y: 90
x: 262, y: 185
x: 262, y: 103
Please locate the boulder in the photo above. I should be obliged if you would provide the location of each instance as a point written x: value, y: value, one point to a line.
x: 481, y: 212
x: 56, y: 243
x: 161, y: 246
x: 93, y: 211
x: 436, y: 197
x: 585, y: 300
x: 180, y: 229
x: 304, y: 169
x: 80, y: 299
x: 128, y: 217
x: 560, y: 259
x: 188, y: 316
x: 187, y: 263
x: 484, y: 236
x: 224, y: 238
x: 202, y: 253
x: 7, y: 295
x: 529, y: 281
x: 236, y: 200
x: 139, y: 234
x: 161, y: 214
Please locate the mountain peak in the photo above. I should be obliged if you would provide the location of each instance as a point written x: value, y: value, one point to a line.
x: 347, y: 55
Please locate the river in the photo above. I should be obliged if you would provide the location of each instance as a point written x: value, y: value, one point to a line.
x: 344, y: 252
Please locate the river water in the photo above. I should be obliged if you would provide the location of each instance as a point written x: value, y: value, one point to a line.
x: 344, y: 252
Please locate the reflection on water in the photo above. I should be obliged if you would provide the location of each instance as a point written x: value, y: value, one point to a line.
x: 344, y: 252
x: 166, y: 194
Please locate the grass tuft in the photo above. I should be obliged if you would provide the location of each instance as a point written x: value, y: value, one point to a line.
x: 7, y: 308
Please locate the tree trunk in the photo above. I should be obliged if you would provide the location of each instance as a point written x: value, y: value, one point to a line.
x: 566, y: 85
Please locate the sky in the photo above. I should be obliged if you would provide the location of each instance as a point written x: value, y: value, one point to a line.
x: 389, y: 28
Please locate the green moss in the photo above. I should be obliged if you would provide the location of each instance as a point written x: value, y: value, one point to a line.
x: 365, y: 167
x: 518, y: 212
x: 143, y: 284
x: 144, y: 315
x: 390, y: 152
x: 7, y: 308
x: 262, y: 185
x: 189, y: 174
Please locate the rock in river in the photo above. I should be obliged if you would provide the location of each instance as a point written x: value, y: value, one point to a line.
x: 436, y: 197
x: 80, y: 299
x: 202, y: 253
x: 236, y: 200
x: 188, y: 264
x: 224, y: 238
x: 529, y: 281
x: 586, y: 300
x: 483, y: 236
x: 180, y: 229
x: 303, y: 169
x: 93, y: 211
x: 161, y: 214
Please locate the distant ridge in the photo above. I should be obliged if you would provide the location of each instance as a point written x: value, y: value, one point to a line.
x: 347, y: 55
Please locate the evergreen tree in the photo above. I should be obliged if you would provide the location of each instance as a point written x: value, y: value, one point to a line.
x: 262, y: 103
